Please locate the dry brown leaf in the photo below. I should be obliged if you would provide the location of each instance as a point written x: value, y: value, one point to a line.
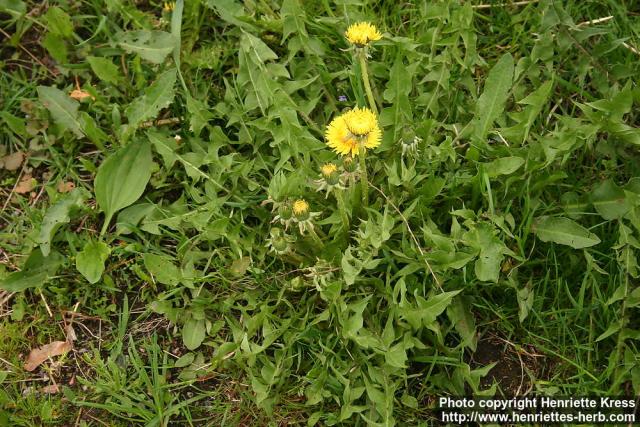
x: 65, y: 187
x: 39, y: 355
x: 50, y: 389
x: 80, y: 94
x: 26, y: 184
x: 13, y: 161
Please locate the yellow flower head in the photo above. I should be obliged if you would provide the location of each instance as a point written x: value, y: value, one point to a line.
x: 362, y: 33
x: 354, y: 132
x: 169, y: 6
x: 300, y: 207
x: 328, y: 169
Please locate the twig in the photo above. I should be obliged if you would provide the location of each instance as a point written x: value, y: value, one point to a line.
x: 45, y: 304
x: 161, y: 122
x: 415, y: 240
x: 515, y: 3
x: 29, y: 53
x: 631, y: 48
x: 595, y: 21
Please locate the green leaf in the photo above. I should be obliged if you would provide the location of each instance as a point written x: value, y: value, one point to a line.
x: 57, y: 215
x: 165, y: 146
x: 156, y: 97
x: 162, y: 269
x: 460, y: 314
x: 496, y: 90
x: 565, y: 232
x: 58, y: 22
x: 153, y: 46
x: 16, y: 124
x: 63, y: 109
x: 428, y: 310
x: 184, y: 360
x: 16, y: 8
x: 612, y: 329
x: 200, y: 114
x: 122, y: 178
x: 490, y: 249
x: 193, y: 333
x: 253, y: 55
x: 525, y: 301
x: 503, y: 166
x: 396, y: 356
x: 56, y: 47
x: 397, y: 93
x: 90, y: 262
x: 609, y: 200
x: 106, y: 70
x: 35, y: 273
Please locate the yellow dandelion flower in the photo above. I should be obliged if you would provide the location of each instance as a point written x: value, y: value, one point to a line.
x: 362, y: 33
x: 360, y: 121
x: 300, y: 207
x: 354, y: 132
x: 328, y: 169
x: 169, y: 6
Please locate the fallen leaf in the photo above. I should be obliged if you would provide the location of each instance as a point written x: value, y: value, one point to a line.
x: 65, y: 187
x: 80, y: 94
x: 26, y: 184
x: 39, y: 355
x: 50, y: 389
x: 13, y: 161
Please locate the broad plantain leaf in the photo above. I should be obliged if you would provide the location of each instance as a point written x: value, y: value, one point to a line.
x: 193, y: 333
x: 122, y: 178
x: 90, y: 261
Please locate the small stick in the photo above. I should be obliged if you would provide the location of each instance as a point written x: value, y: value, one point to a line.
x: 515, y: 3
x: 45, y: 304
x: 29, y: 53
x: 161, y: 122
x: 596, y: 21
x: 631, y: 48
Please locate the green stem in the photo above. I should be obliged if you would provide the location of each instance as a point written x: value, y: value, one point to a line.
x: 364, y: 181
x: 362, y: 56
x: 342, y: 207
x: 315, y: 238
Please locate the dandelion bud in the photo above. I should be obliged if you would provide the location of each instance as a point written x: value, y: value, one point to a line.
x: 349, y: 164
x: 284, y: 211
x: 409, y: 141
x: 279, y: 241
x: 301, y: 210
x: 330, y: 173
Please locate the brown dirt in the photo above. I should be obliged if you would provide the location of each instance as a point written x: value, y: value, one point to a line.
x: 515, y: 363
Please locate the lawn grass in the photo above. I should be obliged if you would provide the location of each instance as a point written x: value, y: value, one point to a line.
x: 151, y: 156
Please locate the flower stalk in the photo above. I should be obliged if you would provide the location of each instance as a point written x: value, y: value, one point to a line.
x: 364, y: 181
x: 362, y: 57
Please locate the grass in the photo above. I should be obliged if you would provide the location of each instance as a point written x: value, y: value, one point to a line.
x: 150, y: 156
